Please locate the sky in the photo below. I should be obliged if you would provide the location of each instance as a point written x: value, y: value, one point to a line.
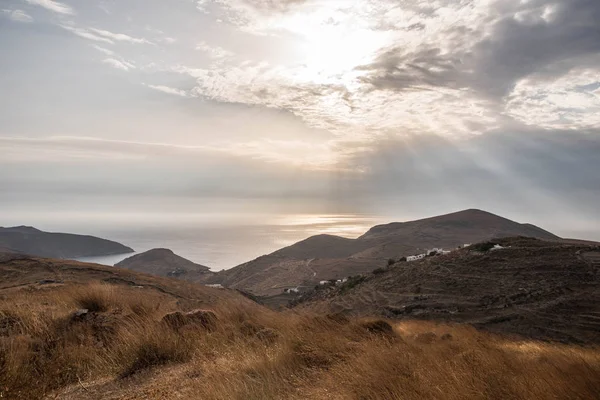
x: 125, y: 110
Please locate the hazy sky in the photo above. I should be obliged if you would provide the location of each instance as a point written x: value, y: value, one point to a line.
x: 403, y: 109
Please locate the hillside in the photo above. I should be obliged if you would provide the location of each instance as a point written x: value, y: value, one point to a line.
x: 535, y: 288
x: 163, y: 262
x: 325, y: 257
x: 19, y: 272
x: 79, y: 331
x: 31, y: 241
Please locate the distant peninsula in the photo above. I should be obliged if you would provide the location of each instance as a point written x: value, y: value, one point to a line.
x: 34, y: 242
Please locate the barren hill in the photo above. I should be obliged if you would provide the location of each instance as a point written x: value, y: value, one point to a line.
x: 77, y: 331
x: 164, y: 262
x: 325, y: 257
x: 535, y: 288
x: 20, y: 272
x: 32, y: 241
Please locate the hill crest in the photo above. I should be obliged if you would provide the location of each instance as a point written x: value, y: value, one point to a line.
x: 325, y: 257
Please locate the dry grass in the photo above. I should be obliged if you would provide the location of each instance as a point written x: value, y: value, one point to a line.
x: 121, y: 350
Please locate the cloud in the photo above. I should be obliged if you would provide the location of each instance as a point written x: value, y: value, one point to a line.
x: 453, y: 68
x: 84, y: 33
x: 119, y: 64
x: 119, y: 37
x: 260, y: 151
x: 18, y: 15
x: 169, y: 90
x: 569, y: 101
x: 100, y: 35
x: 214, y: 52
x: 54, y: 6
x: 356, y: 112
x: 239, y: 11
x: 489, y: 53
x: 103, y: 50
x: 202, y: 5
x: 516, y: 172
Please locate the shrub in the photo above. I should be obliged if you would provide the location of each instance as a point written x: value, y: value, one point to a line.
x: 402, y: 259
x: 390, y: 262
x: 378, y: 327
x: 425, y: 337
x: 155, y: 349
x: 352, y: 282
x: 95, y: 297
x: 483, y: 246
x: 379, y: 271
x: 9, y: 323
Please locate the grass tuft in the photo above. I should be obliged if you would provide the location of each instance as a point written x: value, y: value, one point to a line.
x: 157, y: 349
x: 95, y: 297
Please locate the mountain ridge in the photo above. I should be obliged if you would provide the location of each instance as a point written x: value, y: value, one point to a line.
x: 325, y: 257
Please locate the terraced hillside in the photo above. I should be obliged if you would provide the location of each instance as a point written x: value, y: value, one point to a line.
x: 535, y: 288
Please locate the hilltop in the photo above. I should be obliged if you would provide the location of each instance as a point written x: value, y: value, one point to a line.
x: 325, y: 257
x: 32, y: 241
x: 163, y: 262
x: 530, y: 287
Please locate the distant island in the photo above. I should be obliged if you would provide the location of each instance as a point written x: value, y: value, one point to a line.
x: 163, y: 262
x: 34, y: 242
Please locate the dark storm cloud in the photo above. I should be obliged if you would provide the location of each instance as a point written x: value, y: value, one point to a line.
x: 522, y: 42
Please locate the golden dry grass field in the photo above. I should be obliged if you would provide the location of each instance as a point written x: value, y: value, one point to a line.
x: 121, y: 349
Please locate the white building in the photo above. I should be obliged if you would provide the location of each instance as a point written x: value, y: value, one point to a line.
x: 434, y: 250
x: 415, y: 258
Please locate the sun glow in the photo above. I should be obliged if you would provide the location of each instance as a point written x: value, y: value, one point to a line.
x: 333, y: 41
x: 335, y: 53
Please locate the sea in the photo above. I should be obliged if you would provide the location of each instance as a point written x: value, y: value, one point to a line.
x: 222, y: 244
x: 225, y: 240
